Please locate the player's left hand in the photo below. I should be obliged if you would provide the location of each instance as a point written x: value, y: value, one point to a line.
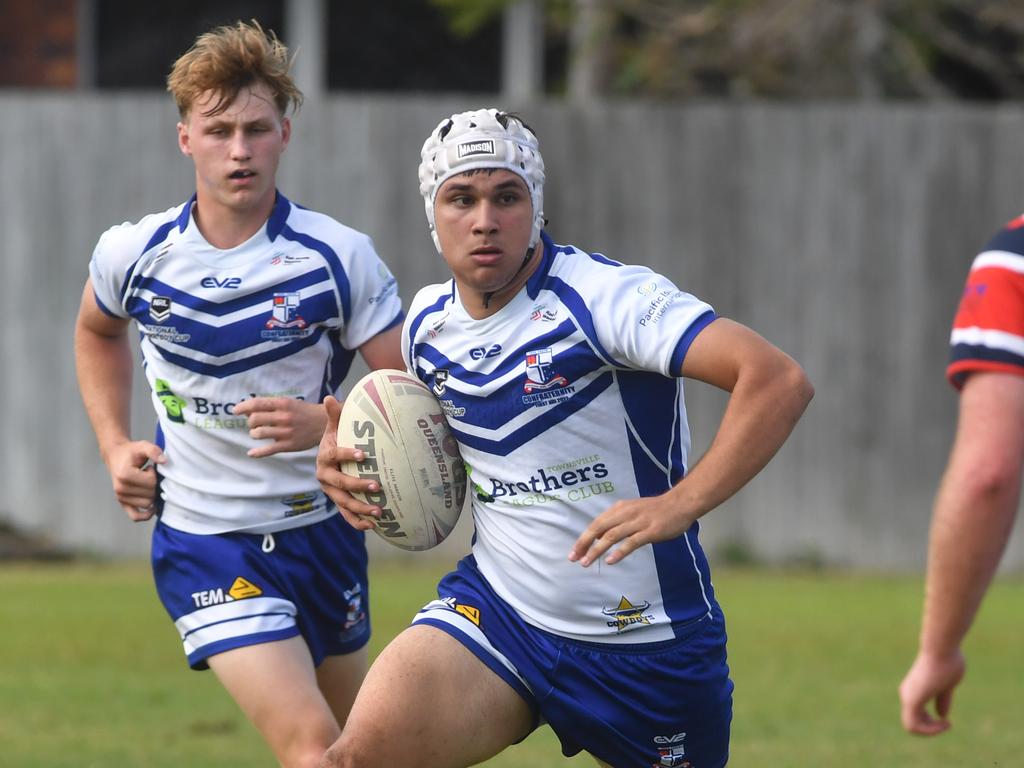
x: 290, y: 424
x: 628, y: 525
x: 930, y: 679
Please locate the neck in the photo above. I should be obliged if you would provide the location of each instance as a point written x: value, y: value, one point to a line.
x: 225, y: 227
x: 483, y: 304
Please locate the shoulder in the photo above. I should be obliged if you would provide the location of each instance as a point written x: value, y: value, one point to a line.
x: 319, y: 227
x: 432, y: 298
x: 1010, y: 239
x: 129, y: 240
x: 595, y: 276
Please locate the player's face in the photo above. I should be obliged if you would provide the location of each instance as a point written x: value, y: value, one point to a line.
x: 237, y: 151
x: 483, y: 221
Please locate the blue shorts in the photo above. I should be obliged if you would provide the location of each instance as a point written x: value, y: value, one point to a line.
x: 645, y: 705
x: 230, y: 590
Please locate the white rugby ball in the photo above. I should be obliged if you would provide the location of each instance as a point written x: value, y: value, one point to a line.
x: 411, y: 453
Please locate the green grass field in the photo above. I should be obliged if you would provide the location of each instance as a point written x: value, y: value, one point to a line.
x: 91, y: 673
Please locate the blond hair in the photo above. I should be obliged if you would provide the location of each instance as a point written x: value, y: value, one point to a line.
x: 228, y: 59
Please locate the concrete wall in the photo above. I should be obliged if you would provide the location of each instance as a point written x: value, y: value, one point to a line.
x: 842, y: 233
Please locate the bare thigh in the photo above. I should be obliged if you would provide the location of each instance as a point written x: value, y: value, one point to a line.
x: 275, y: 685
x: 339, y: 678
x: 428, y: 701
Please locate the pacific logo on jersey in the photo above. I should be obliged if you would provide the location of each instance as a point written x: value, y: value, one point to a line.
x: 627, y: 615
x: 240, y: 590
x: 285, y: 322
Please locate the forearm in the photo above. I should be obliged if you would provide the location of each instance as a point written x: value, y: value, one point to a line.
x: 763, y: 408
x: 104, y: 366
x: 970, y: 527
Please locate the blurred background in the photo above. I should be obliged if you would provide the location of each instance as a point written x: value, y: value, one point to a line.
x: 821, y: 170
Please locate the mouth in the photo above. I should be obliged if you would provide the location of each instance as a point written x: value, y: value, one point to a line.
x: 241, y: 174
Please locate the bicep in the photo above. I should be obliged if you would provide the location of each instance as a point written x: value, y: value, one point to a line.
x: 92, y: 319
x: 721, y: 351
x: 384, y: 350
x: 989, y: 433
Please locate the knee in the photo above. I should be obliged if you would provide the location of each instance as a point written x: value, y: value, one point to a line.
x: 337, y: 757
x: 347, y: 753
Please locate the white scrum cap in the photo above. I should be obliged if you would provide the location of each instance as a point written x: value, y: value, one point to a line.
x: 482, y: 138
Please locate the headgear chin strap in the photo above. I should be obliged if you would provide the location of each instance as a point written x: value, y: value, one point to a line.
x: 482, y: 138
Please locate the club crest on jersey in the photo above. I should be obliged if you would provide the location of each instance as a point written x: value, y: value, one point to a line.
x: 285, y: 321
x: 671, y: 753
x: 627, y: 615
x: 160, y: 308
x: 543, y: 386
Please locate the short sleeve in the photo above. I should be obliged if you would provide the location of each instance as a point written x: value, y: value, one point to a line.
x: 644, y: 321
x: 988, y: 330
x: 375, y: 304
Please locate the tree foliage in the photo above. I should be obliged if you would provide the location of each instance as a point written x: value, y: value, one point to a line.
x: 785, y: 49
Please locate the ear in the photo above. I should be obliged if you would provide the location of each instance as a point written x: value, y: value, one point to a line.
x: 183, y: 139
x: 286, y: 132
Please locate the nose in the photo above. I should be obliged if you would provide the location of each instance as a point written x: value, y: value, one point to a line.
x: 485, y: 217
x: 240, y: 146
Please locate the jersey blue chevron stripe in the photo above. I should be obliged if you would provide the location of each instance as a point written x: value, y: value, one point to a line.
x: 333, y: 262
x: 552, y: 417
x: 222, y: 370
x: 243, y: 301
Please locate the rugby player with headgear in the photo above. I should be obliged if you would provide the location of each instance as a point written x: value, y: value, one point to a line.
x: 587, y: 602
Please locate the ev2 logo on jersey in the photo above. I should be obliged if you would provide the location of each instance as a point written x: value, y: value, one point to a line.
x: 479, y: 353
x: 227, y: 282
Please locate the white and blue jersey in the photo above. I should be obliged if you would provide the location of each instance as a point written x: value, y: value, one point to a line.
x: 282, y: 314
x: 566, y: 400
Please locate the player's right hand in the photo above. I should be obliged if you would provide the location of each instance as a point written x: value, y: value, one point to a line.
x: 133, y: 474
x: 930, y: 679
x: 335, y: 483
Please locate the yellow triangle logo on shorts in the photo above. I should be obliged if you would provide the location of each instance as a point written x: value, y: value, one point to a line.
x: 242, y: 589
x: 471, y: 613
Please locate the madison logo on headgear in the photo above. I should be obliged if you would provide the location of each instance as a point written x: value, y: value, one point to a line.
x: 285, y: 321
x: 470, y: 148
x: 542, y: 386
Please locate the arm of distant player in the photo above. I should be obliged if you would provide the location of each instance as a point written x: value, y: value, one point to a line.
x: 973, y: 516
x: 769, y: 393
x: 335, y: 483
x: 103, y: 360
x: 295, y: 425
